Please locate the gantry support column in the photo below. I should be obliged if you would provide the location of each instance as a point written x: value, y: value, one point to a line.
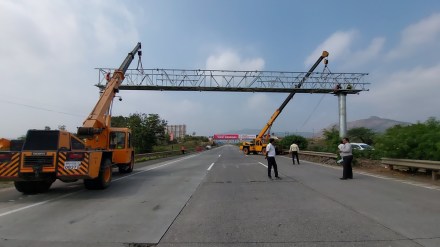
x: 342, y: 114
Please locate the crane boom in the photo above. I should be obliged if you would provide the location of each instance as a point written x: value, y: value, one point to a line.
x: 280, y: 109
x: 99, y: 118
x: 258, y: 144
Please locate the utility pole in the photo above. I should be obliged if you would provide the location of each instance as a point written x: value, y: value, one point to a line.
x: 342, y: 103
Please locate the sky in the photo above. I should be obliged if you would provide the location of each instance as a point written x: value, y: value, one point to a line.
x: 50, y: 49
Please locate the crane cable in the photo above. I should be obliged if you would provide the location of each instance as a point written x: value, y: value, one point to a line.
x: 139, y: 67
x: 325, y: 72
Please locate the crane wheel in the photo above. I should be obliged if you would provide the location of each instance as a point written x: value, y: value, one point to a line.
x: 32, y: 187
x: 104, y: 178
x: 246, y: 151
x: 127, y: 168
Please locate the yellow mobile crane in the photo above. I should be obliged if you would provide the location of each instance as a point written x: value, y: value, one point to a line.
x: 89, y: 154
x: 260, y: 142
x: 4, y: 144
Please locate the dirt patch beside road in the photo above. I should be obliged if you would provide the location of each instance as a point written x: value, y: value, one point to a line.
x: 375, y: 167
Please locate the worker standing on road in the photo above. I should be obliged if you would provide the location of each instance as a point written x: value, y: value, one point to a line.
x: 270, y: 156
x: 347, y: 157
x: 182, y: 148
x: 294, y: 149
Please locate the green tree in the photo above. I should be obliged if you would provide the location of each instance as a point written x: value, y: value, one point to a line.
x: 361, y: 134
x: 147, y: 130
x: 288, y: 140
x: 156, y: 128
x: 419, y: 141
x: 119, y: 122
x: 188, y: 138
x: 332, y: 139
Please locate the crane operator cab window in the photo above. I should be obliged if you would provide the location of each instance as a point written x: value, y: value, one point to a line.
x: 117, y: 140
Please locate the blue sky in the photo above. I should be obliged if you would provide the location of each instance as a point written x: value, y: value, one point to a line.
x: 50, y: 49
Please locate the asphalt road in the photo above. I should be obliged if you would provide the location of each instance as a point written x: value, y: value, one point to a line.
x: 224, y: 198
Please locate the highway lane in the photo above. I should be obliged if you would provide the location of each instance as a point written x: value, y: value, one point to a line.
x: 136, y: 208
x: 224, y: 198
x: 237, y: 205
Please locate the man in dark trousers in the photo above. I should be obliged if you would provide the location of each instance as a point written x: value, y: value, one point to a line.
x: 347, y: 156
x: 294, y: 149
x: 270, y: 156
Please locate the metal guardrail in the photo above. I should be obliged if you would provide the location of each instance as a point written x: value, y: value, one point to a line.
x: 320, y: 157
x: 434, y: 166
x: 157, y: 155
x: 319, y: 154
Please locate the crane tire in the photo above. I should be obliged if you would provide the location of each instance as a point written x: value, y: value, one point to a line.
x: 127, y: 168
x: 32, y: 187
x: 104, y: 178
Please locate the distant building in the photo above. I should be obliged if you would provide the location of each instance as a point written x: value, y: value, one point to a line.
x: 176, y: 131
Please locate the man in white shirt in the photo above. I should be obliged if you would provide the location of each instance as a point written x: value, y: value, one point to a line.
x: 294, y: 149
x: 347, y: 156
x: 270, y: 156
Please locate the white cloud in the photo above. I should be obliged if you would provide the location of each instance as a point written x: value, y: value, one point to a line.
x: 257, y: 102
x: 372, y: 52
x: 406, y: 91
x: 408, y: 95
x: 420, y: 35
x: 50, y: 49
x: 229, y: 60
x: 338, y: 45
x: 341, y: 47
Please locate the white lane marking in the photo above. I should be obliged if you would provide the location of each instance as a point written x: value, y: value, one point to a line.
x: 219, y: 155
x: 69, y: 194
x: 36, y: 204
x: 210, y: 166
x: 152, y: 168
x: 418, y: 184
x: 263, y: 164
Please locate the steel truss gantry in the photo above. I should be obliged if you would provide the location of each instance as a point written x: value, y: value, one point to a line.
x: 238, y: 81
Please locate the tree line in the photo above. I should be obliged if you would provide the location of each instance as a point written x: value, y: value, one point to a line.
x: 147, y: 130
x: 420, y: 141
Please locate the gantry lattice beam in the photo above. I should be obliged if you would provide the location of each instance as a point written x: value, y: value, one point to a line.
x: 238, y: 81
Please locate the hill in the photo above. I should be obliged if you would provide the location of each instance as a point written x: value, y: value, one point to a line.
x: 276, y: 133
x: 374, y: 123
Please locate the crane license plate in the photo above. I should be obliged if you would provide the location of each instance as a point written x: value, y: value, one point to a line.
x: 72, y: 165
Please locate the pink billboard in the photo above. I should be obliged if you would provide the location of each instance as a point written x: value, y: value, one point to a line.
x: 226, y: 136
